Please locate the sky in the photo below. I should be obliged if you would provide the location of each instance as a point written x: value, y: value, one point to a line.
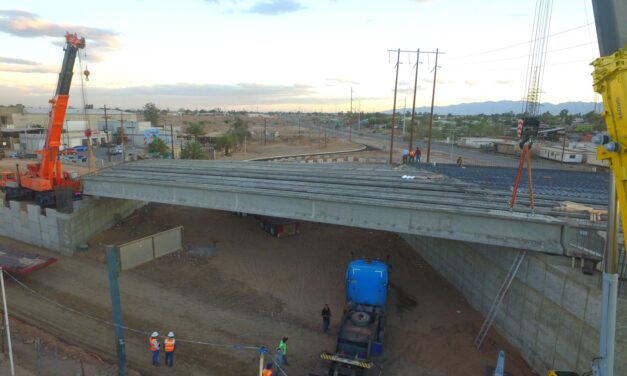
x: 290, y: 55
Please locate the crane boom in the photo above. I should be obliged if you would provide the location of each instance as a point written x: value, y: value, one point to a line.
x: 41, y: 178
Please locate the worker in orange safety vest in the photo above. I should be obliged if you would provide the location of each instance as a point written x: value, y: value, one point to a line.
x: 169, y: 344
x: 268, y: 370
x: 154, y: 347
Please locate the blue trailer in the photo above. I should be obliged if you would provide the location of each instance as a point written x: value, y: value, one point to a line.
x: 362, y: 329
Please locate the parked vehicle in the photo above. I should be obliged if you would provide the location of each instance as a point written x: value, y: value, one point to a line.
x: 361, y: 333
x: 7, y: 179
x: 117, y: 150
x: 279, y: 227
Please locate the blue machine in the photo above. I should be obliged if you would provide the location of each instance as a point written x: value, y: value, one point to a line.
x: 367, y: 282
x: 362, y: 329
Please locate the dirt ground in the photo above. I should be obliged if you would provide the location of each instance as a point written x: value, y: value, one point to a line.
x: 249, y: 289
x: 37, y: 353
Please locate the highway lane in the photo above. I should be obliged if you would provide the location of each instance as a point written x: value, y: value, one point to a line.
x: 469, y: 156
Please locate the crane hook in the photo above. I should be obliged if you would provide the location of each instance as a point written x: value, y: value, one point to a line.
x: 86, y: 73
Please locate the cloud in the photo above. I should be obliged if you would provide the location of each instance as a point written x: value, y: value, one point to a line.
x: 16, y: 68
x: 28, y: 25
x: 504, y: 82
x: 13, y: 60
x: 185, y: 95
x: 275, y: 7
x: 341, y: 81
x: 471, y: 82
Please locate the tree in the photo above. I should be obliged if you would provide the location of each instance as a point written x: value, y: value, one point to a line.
x: 158, y: 146
x: 564, y: 115
x: 195, y: 130
x: 226, y: 143
x: 193, y: 150
x: 239, y: 129
x: 151, y: 113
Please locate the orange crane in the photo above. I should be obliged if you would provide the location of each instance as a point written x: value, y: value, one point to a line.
x: 41, y: 179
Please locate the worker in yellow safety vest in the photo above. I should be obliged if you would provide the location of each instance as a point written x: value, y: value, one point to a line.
x: 169, y: 344
x: 154, y: 347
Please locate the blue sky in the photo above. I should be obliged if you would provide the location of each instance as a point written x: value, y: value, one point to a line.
x: 292, y: 54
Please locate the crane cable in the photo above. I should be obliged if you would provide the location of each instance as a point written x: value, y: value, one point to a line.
x: 91, y: 162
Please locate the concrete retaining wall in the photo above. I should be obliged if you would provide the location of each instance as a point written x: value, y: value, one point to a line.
x: 551, y: 312
x: 58, y: 231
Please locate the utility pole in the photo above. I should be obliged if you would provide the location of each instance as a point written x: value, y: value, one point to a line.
x: 563, y: 147
x: 107, y: 134
x: 116, y: 308
x: 123, y: 136
x: 418, y: 52
x: 435, y: 76
x: 6, y: 322
x: 351, y: 101
x: 106, y: 124
x: 265, y: 130
x: 398, y: 60
x: 413, y: 107
x: 172, y: 139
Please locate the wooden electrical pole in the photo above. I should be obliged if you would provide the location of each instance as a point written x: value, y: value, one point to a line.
x: 435, y: 76
x: 398, y: 59
x: 413, y: 108
x: 172, y: 139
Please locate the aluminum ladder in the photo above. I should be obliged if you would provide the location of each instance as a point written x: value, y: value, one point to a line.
x: 499, y: 298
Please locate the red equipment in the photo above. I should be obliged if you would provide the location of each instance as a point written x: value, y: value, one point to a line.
x: 42, y: 178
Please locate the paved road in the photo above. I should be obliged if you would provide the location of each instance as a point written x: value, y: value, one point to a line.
x: 470, y: 156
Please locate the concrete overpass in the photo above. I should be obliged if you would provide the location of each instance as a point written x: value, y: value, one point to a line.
x: 374, y: 197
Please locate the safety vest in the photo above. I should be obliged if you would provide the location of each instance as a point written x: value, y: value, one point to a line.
x: 282, y: 348
x: 266, y: 372
x: 412, y: 153
x: 154, y: 344
x: 168, y: 344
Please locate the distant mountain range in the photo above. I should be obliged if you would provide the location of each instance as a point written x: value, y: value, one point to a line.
x: 500, y: 107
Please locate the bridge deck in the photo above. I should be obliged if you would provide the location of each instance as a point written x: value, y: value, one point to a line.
x: 355, y: 195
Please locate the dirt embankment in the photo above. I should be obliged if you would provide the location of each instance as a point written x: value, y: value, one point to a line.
x: 253, y: 289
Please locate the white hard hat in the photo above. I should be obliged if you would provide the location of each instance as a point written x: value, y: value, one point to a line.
x: 171, y: 334
x: 154, y: 334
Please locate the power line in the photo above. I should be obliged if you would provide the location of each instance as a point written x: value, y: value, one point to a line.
x: 138, y: 331
x: 521, y: 43
x: 520, y: 56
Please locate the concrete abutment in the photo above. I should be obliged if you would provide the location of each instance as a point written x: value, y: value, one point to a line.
x: 551, y: 312
x: 61, y: 232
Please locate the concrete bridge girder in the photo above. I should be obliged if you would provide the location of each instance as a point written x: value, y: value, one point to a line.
x: 493, y: 227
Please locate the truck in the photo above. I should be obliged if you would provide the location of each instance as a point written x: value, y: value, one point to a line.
x: 362, y: 328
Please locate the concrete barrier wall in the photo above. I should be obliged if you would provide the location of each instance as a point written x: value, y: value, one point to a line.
x: 551, y: 312
x: 141, y: 251
x: 58, y: 231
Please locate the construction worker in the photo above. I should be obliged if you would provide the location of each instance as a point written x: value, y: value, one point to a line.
x: 326, y: 318
x: 405, y: 155
x: 169, y: 344
x: 154, y: 347
x: 268, y: 370
x: 281, y: 352
x: 412, y: 156
x: 417, y: 154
